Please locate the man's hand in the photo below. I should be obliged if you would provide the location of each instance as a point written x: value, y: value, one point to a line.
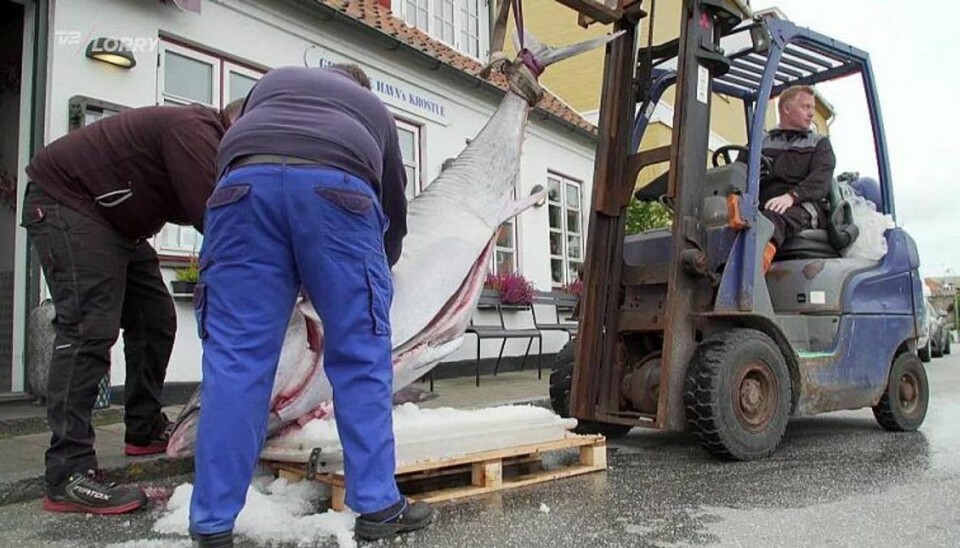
x: 780, y: 204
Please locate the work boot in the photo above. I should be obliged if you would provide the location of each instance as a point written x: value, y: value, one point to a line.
x: 82, y: 492
x: 213, y: 540
x: 402, y: 517
x: 156, y: 444
x: 769, y: 252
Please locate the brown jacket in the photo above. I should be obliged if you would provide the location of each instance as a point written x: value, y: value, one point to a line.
x: 137, y: 170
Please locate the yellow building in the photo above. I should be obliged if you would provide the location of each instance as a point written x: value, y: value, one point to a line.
x: 578, y: 81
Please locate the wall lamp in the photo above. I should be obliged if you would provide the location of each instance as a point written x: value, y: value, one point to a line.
x: 536, y: 190
x: 111, y: 51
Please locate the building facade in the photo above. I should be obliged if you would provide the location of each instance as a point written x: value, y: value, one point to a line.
x: 213, y: 51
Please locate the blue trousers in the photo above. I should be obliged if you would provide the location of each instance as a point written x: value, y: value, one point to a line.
x: 269, y: 229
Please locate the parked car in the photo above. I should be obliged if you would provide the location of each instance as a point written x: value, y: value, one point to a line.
x: 934, y: 340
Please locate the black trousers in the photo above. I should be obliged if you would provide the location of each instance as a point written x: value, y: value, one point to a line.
x: 789, y: 223
x: 101, y: 282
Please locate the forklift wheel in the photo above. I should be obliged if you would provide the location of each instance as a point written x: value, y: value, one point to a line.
x: 946, y: 345
x: 737, y: 395
x: 903, y: 405
x: 561, y: 381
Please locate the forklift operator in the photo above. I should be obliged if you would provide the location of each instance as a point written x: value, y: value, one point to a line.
x: 793, y: 195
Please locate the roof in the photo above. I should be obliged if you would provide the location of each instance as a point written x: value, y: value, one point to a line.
x: 377, y: 18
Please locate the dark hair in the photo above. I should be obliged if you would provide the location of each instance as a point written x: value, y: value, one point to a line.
x: 231, y: 112
x: 355, y: 72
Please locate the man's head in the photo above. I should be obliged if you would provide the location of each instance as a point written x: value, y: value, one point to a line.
x: 354, y: 72
x: 797, y: 105
x: 230, y: 113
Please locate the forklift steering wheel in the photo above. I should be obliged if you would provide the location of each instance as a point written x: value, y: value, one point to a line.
x: 766, y: 164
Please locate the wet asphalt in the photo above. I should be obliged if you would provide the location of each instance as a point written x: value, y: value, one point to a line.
x: 837, y: 480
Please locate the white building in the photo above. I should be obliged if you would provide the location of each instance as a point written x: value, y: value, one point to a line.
x: 214, y: 56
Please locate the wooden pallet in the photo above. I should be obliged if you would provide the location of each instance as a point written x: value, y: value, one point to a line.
x: 473, y: 474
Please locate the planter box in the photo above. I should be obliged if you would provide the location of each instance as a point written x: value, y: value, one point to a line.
x: 183, y: 288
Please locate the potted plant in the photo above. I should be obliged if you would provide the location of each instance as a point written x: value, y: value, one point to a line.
x: 187, y: 278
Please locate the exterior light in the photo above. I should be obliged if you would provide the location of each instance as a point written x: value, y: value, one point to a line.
x: 111, y: 51
x: 536, y: 190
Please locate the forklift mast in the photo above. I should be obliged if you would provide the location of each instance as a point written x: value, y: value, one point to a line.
x: 699, y: 60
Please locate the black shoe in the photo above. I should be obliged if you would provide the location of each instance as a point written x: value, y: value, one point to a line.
x: 402, y: 517
x: 155, y: 444
x: 82, y: 492
x: 213, y: 540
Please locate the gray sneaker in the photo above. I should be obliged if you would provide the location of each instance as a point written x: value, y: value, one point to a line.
x: 83, y: 493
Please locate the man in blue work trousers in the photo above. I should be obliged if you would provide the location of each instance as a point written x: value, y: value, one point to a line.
x: 311, y: 177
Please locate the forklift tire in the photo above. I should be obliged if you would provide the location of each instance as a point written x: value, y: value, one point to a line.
x: 561, y: 382
x: 903, y: 405
x: 737, y: 395
x: 946, y: 346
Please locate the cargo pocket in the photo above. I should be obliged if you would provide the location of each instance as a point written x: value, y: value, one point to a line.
x: 200, y: 309
x: 379, y: 300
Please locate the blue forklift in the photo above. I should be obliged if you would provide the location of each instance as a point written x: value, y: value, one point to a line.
x: 680, y: 329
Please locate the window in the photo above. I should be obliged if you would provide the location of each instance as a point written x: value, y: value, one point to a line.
x: 87, y: 110
x: 188, y: 76
x: 505, y: 248
x: 239, y: 82
x: 409, y: 135
x: 457, y: 23
x: 566, y: 228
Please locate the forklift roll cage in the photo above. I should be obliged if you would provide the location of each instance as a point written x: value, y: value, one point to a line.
x: 780, y: 55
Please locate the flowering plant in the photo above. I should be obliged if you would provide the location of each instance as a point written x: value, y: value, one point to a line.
x: 513, y: 288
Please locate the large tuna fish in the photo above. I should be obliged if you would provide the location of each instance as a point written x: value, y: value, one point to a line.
x: 439, y: 276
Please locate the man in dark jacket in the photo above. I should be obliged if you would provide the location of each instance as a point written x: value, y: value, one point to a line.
x: 312, y: 177
x: 793, y: 194
x: 95, y: 197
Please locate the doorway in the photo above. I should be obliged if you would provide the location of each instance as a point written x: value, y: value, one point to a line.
x: 11, y: 75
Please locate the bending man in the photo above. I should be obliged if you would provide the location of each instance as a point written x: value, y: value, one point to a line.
x: 312, y: 177
x: 96, y: 196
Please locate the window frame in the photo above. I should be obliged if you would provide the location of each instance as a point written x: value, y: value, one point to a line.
x: 222, y: 66
x: 483, y: 24
x: 227, y: 68
x: 417, y: 129
x: 569, y: 275
x: 515, y: 229
x: 190, y: 53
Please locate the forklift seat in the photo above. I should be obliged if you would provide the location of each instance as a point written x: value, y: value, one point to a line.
x: 824, y: 243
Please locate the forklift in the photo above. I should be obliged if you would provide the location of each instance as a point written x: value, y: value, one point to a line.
x: 680, y: 328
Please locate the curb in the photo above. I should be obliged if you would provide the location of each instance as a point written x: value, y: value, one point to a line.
x: 21, y: 426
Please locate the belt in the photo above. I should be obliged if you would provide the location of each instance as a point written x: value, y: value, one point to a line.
x: 252, y: 159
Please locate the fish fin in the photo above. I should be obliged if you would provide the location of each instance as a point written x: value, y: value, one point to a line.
x: 514, y: 208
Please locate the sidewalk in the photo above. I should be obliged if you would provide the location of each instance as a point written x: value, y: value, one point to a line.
x: 21, y: 455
